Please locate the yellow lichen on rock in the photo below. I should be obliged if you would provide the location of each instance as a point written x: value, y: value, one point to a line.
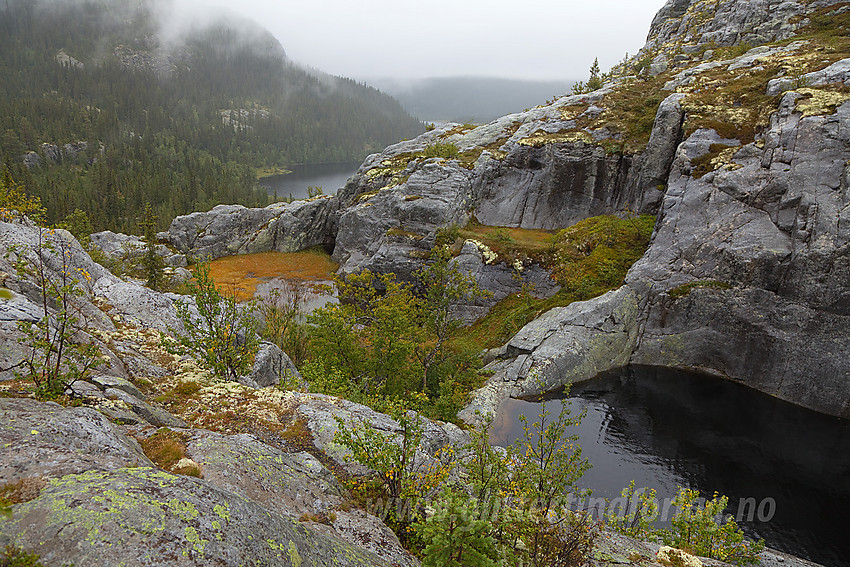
x: 817, y: 102
x: 542, y: 138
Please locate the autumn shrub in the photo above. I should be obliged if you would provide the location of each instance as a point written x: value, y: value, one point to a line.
x: 17, y: 557
x: 403, y: 475
x: 388, y: 339
x: 220, y: 333
x: 636, y: 513
x: 58, y: 351
x: 702, y: 530
x: 280, y: 309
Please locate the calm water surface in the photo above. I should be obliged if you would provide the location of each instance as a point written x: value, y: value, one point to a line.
x: 666, y: 428
x: 328, y: 176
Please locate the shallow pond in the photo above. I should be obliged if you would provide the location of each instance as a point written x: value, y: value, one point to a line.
x: 310, y: 271
x: 666, y: 428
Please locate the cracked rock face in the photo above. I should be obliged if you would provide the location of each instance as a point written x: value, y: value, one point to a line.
x: 688, y: 25
x: 774, y: 226
x: 747, y: 277
x: 47, y: 440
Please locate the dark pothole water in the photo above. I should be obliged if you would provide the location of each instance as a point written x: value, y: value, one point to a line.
x: 666, y: 428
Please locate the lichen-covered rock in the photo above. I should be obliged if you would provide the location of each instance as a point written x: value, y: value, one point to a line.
x: 500, y: 279
x: 691, y: 26
x: 233, y: 229
x: 157, y: 417
x: 57, y: 251
x: 393, y: 228
x: 271, y: 367
x: 138, y: 305
x: 148, y: 517
x: 291, y: 484
x: 552, y: 186
x: 370, y: 533
x: 123, y: 247
x: 44, y: 439
x: 566, y: 345
x: 105, y: 382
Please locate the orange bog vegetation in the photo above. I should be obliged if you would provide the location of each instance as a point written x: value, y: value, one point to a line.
x: 245, y: 272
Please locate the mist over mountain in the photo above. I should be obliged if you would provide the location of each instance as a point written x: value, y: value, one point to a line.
x: 470, y: 99
x: 122, y: 102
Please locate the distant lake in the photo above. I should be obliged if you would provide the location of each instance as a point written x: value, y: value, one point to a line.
x: 329, y: 176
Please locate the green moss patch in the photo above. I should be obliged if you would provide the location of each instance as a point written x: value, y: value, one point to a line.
x: 717, y: 156
x: 508, y: 243
x: 593, y: 256
x: 588, y: 259
x: 685, y: 289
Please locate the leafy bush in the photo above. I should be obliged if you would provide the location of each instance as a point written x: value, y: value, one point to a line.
x: 368, y: 337
x: 385, y: 340
x: 442, y: 150
x: 78, y: 224
x: 639, y: 508
x: 16, y: 557
x: 280, y: 307
x: 549, y: 465
x: 393, y: 455
x: 15, y: 204
x: 403, y: 475
x: 455, y: 535
x: 222, y: 335
x: 698, y: 530
x: 59, y: 353
x: 533, y: 479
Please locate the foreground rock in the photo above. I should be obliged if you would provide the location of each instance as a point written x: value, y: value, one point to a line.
x: 150, y: 517
x: 47, y: 440
x: 87, y: 486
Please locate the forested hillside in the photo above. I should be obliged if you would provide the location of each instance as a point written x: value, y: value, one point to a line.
x: 102, y: 111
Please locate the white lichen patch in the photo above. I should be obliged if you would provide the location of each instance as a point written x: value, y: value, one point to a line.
x: 676, y: 557
x: 488, y: 255
x: 185, y: 463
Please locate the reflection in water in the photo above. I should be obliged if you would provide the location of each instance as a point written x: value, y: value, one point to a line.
x: 328, y: 176
x: 665, y: 428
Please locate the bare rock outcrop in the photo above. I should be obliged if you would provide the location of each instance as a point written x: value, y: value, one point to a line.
x: 233, y: 229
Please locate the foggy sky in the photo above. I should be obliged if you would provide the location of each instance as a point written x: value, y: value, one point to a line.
x: 531, y: 39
